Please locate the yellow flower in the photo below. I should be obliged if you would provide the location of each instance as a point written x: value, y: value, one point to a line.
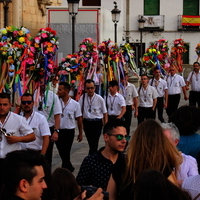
x: 3, y: 31
x: 21, y: 39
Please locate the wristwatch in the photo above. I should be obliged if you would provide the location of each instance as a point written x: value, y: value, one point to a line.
x: 57, y: 130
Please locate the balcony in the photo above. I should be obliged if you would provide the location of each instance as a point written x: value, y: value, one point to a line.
x: 153, y: 22
x: 188, y: 23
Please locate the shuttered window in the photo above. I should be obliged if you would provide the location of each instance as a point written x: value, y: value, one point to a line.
x: 151, y: 7
x: 190, y: 7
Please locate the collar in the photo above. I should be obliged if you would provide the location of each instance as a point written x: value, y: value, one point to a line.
x: 116, y: 94
x: 157, y: 80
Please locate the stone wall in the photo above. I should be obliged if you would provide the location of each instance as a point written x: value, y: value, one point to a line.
x: 28, y: 13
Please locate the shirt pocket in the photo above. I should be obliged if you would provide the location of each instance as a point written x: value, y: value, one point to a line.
x: 95, y: 110
x: 70, y: 115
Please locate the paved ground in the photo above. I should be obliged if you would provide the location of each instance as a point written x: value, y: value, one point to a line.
x: 80, y: 150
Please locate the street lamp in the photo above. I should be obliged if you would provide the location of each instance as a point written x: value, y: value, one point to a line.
x: 115, y: 18
x: 73, y: 11
x: 141, y: 22
x: 5, y: 7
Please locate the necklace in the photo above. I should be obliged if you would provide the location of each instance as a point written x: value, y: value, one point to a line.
x: 145, y: 93
x: 172, y: 79
x: 90, y: 101
x: 64, y: 106
x: 112, y: 103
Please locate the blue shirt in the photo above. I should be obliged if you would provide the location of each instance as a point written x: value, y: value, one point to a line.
x: 190, y: 144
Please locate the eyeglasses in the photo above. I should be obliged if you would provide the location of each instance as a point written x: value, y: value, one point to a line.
x: 55, y: 79
x: 143, y: 78
x: 89, y: 88
x: 120, y: 136
x: 26, y: 102
x: 172, y: 70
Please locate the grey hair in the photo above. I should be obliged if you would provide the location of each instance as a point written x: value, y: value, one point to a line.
x: 174, y: 132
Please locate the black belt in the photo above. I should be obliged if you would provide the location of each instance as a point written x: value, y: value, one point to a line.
x: 92, y: 120
x: 195, y: 91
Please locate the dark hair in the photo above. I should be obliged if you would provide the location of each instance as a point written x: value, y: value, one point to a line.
x: 152, y: 184
x: 66, y: 85
x: 64, y: 185
x: 20, y: 165
x: 113, y: 83
x: 187, y: 119
x: 89, y: 81
x: 27, y: 95
x: 196, y: 63
x: 110, y: 125
x: 5, y: 96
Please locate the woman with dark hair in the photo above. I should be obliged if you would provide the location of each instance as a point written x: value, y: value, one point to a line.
x: 148, y: 148
x: 152, y: 184
x: 64, y: 185
x: 187, y: 120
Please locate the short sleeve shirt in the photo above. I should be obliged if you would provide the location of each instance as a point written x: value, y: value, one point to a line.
x: 160, y: 86
x: 194, y: 78
x: 15, y: 125
x: 93, y: 107
x: 175, y: 83
x: 40, y: 128
x: 146, y: 96
x: 129, y: 93
x: 50, y: 108
x: 70, y: 111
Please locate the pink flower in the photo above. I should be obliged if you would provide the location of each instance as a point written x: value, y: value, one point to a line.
x: 37, y: 40
x: 44, y: 35
x: 63, y: 60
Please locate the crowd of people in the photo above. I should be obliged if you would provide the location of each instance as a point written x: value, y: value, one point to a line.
x: 160, y: 159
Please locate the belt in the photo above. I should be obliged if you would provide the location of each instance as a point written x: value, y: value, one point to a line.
x: 173, y: 94
x: 92, y: 120
x: 113, y: 115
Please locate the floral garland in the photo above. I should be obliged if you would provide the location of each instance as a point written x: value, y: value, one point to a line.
x: 177, y: 54
x: 157, y: 56
x: 197, y: 50
x: 14, y: 44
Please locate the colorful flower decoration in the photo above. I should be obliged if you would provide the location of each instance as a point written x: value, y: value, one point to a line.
x: 197, y: 49
x: 177, y: 54
x: 157, y: 56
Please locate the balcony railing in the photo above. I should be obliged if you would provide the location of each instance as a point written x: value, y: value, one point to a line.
x: 188, y: 22
x: 153, y: 22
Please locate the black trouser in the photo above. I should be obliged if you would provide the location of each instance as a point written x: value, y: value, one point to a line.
x: 64, y: 144
x: 92, y: 131
x: 194, y: 98
x: 145, y: 113
x: 49, y: 151
x: 159, y: 107
x: 173, y: 101
x: 128, y: 118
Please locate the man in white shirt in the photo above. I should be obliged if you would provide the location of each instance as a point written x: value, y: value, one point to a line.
x: 13, y: 128
x: 174, y: 83
x: 161, y: 87
x: 130, y: 94
x: 188, y: 167
x: 50, y: 107
x: 94, y: 114
x: 37, y: 122
x: 194, y: 79
x: 147, y: 100
x: 71, y: 112
x: 115, y: 102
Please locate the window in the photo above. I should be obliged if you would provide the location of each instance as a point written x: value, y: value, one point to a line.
x: 151, y: 7
x: 91, y: 2
x: 191, y: 7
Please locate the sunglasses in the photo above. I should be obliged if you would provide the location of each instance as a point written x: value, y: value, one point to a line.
x: 26, y: 102
x: 143, y: 78
x: 120, y: 136
x: 172, y: 70
x: 89, y: 88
